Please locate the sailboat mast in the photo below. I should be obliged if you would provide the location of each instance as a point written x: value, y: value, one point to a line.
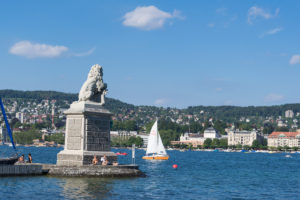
x: 7, y: 124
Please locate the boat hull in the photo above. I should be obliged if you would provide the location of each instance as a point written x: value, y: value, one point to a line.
x: 155, y: 157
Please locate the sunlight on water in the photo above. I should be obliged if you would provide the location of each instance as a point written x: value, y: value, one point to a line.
x: 200, y: 175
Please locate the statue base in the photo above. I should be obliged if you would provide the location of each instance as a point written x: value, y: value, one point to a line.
x: 87, y: 134
x: 72, y: 158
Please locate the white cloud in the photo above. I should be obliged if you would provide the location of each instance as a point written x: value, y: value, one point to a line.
x: 295, y: 59
x: 271, y: 32
x: 32, y: 50
x: 148, y: 17
x: 87, y: 53
x: 255, y: 12
x: 160, y: 102
x: 273, y: 97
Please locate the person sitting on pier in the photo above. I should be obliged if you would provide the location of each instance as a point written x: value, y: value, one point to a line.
x: 104, y: 160
x: 29, y: 158
x: 21, y: 159
x: 115, y: 163
x: 95, y: 160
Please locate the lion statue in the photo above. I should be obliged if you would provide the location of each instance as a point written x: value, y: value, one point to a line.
x: 94, y: 89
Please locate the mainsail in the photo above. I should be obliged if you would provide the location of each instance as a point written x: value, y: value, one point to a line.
x: 155, y: 145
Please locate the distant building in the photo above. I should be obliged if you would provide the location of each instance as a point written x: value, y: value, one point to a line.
x: 145, y: 138
x: 127, y: 134
x: 236, y: 137
x: 20, y: 117
x: 196, y: 139
x: 123, y: 134
x: 280, y: 123
x: 211, y: 133
x: 3, y: 133
x: 193, y: 139
x: 289, y: 114
x: 290, y: 139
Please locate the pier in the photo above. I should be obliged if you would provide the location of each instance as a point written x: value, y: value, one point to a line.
x: 38, y: 169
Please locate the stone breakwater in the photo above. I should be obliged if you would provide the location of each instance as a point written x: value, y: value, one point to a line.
x: 55, y: 170
x: 94, y: 170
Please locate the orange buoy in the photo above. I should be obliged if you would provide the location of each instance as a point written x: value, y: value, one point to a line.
x: 175, y: 166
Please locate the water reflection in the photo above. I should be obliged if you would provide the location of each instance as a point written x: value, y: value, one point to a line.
x: 85, y: 187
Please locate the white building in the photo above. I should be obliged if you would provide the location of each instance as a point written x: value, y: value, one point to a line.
x: 145, y: 138
x: 193, y: 139
x: 290, y: 139
x: 236, y: 137
x: 280, y: 123
x: 3, y: 133
x: 124, y: 134
x: 211, y: 133
x: 196, y: 139
x: 289, y: 114
x: 20, y: 117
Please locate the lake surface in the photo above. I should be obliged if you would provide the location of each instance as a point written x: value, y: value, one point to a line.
x: 200, y: 175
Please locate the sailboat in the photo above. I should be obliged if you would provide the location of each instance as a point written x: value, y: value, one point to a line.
x: 10, y: 160
x: 155, y: 147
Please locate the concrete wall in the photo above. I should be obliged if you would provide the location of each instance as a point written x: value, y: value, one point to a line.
x: 20, y: 170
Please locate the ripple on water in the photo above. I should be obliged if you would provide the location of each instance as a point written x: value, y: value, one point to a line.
x: 200, y: 175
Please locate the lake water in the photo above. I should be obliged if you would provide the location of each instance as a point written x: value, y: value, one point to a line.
x: 200, y: 175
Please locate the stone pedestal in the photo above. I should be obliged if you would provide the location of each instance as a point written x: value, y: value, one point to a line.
x: 87, y: 134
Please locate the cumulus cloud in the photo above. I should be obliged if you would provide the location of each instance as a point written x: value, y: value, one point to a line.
x: 273, y: 97
x: 160, y: 102
x: 32, y: 50
x: 271, y: 32
x: 148, y: 17
x: 255, y: 12
x: 295, y: 59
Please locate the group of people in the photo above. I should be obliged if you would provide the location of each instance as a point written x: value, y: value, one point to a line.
x: 104, y: 161
x: 22, y: 159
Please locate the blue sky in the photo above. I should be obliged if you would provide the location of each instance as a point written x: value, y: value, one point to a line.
x: 165, y: 53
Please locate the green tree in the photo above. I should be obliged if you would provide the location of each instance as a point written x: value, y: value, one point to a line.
x: 286, y: 148
x: 282, y: 129
x: 255, y: 144
x: 207, y: 143
x: 215, y: 143
x: 223, y: 143
x: 220, y: 126
x: 58, y: 138
x: 295, y: 148
x: 26, y: 137
x: 246, y: 147
x: 268, y: 128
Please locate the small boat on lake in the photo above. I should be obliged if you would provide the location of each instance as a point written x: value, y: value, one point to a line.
x: 155, y: 147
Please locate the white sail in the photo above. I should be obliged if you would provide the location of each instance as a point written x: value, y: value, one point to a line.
x: 155, y: 145
x: 160, y: 147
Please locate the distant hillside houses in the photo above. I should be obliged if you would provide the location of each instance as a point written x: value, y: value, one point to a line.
x: 35, y: 107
